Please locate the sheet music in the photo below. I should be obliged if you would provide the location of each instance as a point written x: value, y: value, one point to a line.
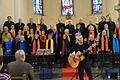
x: 43, y: 52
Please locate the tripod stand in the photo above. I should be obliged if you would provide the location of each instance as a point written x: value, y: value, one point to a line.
x: 101, y: 60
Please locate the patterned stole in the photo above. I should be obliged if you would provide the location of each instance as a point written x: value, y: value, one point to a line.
x: 108, y: 35
x: 104, y: 43
x: 13, y: 32
x: 50, y: 44
x: 64, y: 46
x: 35, y: 46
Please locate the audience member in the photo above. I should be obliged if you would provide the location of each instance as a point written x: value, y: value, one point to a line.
x: 19, y: 67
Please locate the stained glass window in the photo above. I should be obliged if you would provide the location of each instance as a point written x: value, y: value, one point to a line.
x: 38, y: 7
x: 67, y: 7
x: 96, y: 6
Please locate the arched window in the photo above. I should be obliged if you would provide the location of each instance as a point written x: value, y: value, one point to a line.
x: 38, y: 7
x: 96, y: 6
x: 67, y: 7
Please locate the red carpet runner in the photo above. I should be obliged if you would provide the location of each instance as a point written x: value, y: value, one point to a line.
x: 68, y: 73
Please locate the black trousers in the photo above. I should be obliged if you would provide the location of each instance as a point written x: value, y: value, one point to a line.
x: 84, y: 65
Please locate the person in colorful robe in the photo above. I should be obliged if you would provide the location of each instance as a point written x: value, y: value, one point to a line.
x: 104, y: 45
x: 93, y: 51
x: 22, y: 44
x: 50, y: 45
x: 13, y: 32
x: 8, y: 48
x: 115, y: 49
x: 64, y: 50
x: 91, y: 30
x: 43, y: 40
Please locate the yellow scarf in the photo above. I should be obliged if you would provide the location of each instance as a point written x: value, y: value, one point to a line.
x: 51, y: 46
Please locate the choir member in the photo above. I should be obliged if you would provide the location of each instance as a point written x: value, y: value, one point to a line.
x: 93, y: 51
x: 64, y: 49
x: 69, y: 37
x: 50, y: 43
x: 111, y: 24
x: 43, y: 25
x: 104, y: 44
x: 13, y: 32
x: 80, y: 29
x: 8, y: 47
x: 108, y: 32
x: 60, y: 26
x: 70, y: 26
x: 17, y: 38
x: 31, y: 24
x: 43, y: 40
x: 30, y: 40
x: 101, y: 24
x: 35, y: 44
x: 38, y: 31
x: 8, y: 23
x: 115, y: 44
x: 117, y: 30
x: 57, y: 42
x: 25, y: 32
x: 50, y: 30
x: 115, y: 49
x: 5, y: 31
x: 91, y: 30
x: 19, y: 25
x: 22, y: 44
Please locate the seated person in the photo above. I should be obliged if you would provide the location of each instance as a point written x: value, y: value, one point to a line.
x: 3, y: 76
x: 19, y: 67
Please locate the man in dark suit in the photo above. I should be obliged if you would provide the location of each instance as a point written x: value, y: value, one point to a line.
x: 60, y: 26
x: 101, y: 24
x: 19, y: 26
x: 31, y: 24
x: 9, y: 22
x: 19, y: 67
x: 43, y: 26
x: 70, y: 26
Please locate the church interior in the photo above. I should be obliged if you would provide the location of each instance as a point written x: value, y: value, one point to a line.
x: 60, y: 40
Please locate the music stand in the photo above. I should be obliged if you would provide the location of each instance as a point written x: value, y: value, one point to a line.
x: 43, y: 52
x: 44, y: 55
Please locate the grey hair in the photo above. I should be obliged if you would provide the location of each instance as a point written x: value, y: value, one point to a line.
x: 18, y: 54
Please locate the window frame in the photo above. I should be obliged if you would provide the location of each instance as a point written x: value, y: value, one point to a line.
x: 72, y: 7
x: 34, y: 6
x: 97, y: 12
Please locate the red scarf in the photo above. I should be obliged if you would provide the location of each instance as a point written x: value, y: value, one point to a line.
x: 35, y: 46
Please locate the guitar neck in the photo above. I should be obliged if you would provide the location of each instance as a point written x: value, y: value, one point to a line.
x: 84, y: 51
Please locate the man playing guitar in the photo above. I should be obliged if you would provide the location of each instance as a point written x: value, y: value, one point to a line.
x: 79, y: 48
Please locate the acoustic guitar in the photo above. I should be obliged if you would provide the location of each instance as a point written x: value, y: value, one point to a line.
x: 75, y: 58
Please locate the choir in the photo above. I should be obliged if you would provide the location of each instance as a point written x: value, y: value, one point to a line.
x: 59, y: 39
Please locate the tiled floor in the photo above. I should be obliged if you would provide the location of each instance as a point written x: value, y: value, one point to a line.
x: 57, y: 74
